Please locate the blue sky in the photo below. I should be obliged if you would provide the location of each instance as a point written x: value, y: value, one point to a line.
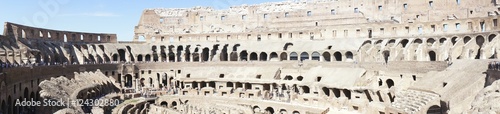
x: 96, y: 16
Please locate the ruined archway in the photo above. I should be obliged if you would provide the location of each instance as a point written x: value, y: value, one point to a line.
x: 338, y: 56
x: 315, y: 56
x: 491, y: 37
x: 432, y: 56
x: 404, y: 42
x: 263, y: 56
x: 128, y: 80
x: 121, y: 53
x: 273, y: 56
x: 139, y: 57
x: 147, y: 57
x: 349, y: 55
x: 294, y: 56
x: 253, y: 56
x: 283, y: 56
x: 389, y: 83
x: 434, y: 110
x: 467, y: 39
x: 327, y: 56
x: 304, y: 56
x: 244, y: 55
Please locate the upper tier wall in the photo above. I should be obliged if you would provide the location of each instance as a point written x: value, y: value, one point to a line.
x: 317, y: 20
x: 20, y: 31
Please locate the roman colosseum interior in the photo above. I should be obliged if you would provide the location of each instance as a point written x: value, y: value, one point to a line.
x: 291, y: 57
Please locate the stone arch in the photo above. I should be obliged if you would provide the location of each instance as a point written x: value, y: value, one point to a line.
x: 256, y: 109
x: 466, y: 39
x: 164, y: 104
x: 430, y: 41
x: 432, y: 56
x: 417, y: 41
x: 349, y: 55
x: 128, y: 80
x: 205, y: 54
x: 304, y: 56
x: 179, y: 50
x: 294, y: 56
x: 288, y: 77
x: 243, y: 55
x: 147, y: 57
x: 273, y: 56
x: 386, y: 54
x: 480, y: 40
x: 389, y: 83
x: 263, y: 56
x: 347, y: 93
x: 338, y: 56
x: 435, y: 109
x: 442, y: 40
x: 327, y: 56
x: 305, y: 89
x: 295, y: 112
x: 115, y: 57
x: 233, y: 56
x: 121, y: 53
x: 315, y: 56
x: 269, y: 110
x: 336, y: 92
x: 26, y: 93
x: 140, y: 58
x: 173, y: 105
x: 367, y: 42
x: 454, y: 40
x: 491, y: 37
x: 283, y: 56
x: 4, y: 107
x: 300, y: 78
x: 253, y: 56
x: 283, y: 111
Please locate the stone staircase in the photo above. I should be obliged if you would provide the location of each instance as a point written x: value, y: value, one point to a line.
x: 412, y: 101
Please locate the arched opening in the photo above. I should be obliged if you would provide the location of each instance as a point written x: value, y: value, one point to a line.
x: 315, y: 56
x: 300, y: 78
x: 65, y: 38
x: 349, y: 55
x: 121, y: 52
x: 229, y: 84
x: 347, y: 93
x: 304, y: 56
x: 128, y: 80
x: 430, y: 41
x: 327, y: 56
x: 263, y: 56
x: 253, y: 56
x: 283, y: 56
x: 164, y: 104
x: 273, y: 56
x: 294, y: 56
x: 233, y: 56
x: 269, y: 110
x: 434, y: 110
x: 115, y: 57
x: 336, y: 92
x: 432, y: 56
x: 283, y: 111
x: 147, y: 57
x: 223, y: 55
x: 179, y: 53
x: 480, y: 41
x: 389, y: 83
x: 467, y: 39
x: 326, y: 91
x: 442, y: 40
x: 386, y: 55
x: 243, y: 55
x: 288, y: 77
x: 295, y: 112
x: 174, y: 105
x: 491, y: 37
x: 256, y: 109
x: 454, y: 40
x: 205, y: 54
x: 139, y: 58
x: 404, y: 42
x: 26, y: 93
x: 4, y: 107
x: 23, y: 34
x: 338, y: 56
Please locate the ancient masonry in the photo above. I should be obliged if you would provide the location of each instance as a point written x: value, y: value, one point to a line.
x: 314, y: 57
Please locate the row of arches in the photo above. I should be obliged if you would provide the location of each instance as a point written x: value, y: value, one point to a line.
x: 29, y: 32
x: 8, y: 105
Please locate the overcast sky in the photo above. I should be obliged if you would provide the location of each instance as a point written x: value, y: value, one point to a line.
x: 96, y: 16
